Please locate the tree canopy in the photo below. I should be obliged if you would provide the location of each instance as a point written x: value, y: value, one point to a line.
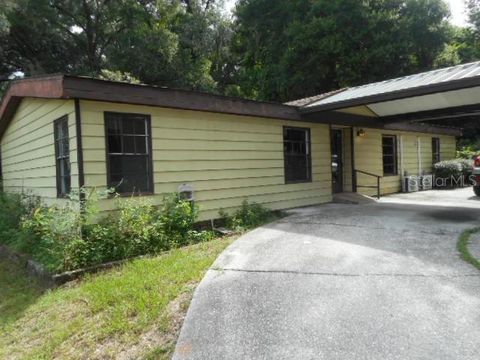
x: 270, y: 50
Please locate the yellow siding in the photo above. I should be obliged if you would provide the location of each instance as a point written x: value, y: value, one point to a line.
x: 28, y: 151
x: 368, y: 157
x: 226, y: 158
x: 448, y: 146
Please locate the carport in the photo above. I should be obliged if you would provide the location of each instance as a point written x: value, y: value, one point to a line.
x: 416, y: 103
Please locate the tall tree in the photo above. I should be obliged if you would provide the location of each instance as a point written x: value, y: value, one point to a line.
x: 295, y: 48
x: 473, y: 9
x: 164, y: 42
x: 464, y: 42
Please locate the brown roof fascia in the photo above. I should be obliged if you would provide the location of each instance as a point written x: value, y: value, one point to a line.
x: 74, y: 87
x: 102, y: 90
x: 50, y: 87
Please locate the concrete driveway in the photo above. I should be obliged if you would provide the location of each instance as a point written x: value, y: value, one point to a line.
x: 377, y: 281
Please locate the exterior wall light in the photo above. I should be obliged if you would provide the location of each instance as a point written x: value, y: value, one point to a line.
x: 361, y: 133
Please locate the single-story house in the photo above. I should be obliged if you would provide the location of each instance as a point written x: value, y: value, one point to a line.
x: 63, y: 132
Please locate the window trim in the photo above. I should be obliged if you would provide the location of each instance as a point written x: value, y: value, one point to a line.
x: 151, y: 172
x: 438, y: 151
x: 61, y: 195
x: 309, y: 134
x: 395, y: 155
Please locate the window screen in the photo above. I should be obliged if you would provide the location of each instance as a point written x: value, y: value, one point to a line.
x: 62, y: 156
x: 128, y: 153
x: 296, y: 145
x: 389, y: 143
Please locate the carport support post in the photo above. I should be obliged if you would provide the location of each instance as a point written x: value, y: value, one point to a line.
x: 378, y: 187
x: 352, y: 148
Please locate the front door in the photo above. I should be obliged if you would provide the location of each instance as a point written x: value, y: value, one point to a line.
x: 337, y: 160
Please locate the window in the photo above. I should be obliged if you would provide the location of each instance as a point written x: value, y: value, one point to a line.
x: 296, y: 148
x: 129, y: 162
x: 62, y: 156
x: 389, y: 143
x: 435, y: 150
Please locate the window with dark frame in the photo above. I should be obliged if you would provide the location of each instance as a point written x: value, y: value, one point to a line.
x: 435, y: 150
x: 296, y: 149
x: 62, y: 156
x: 389, y: 145
x: 129, y: 162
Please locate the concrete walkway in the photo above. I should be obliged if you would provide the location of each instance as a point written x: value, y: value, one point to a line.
x: 379, y: 281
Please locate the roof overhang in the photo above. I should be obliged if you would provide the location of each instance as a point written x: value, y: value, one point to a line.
x: 455, y: 99
x: 48, y: 87
x: 450, y: 89
x: 72, y: 87
x: 355, y: 120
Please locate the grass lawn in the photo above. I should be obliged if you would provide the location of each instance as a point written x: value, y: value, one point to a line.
x: 134, y: 311
x: 462, y: 245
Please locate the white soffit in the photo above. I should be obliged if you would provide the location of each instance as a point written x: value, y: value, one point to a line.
x: 443, y: 100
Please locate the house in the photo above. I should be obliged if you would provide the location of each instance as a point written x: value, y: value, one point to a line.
x: 62, y: 132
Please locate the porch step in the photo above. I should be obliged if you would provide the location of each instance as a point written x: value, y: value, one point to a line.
x: 352, y: 198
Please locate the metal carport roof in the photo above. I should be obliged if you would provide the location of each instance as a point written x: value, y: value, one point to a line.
x: 449, y: 88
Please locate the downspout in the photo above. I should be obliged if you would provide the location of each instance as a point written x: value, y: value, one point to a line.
x: 352, y: 149
x: 81, y: 174
x: 419, y: 154
x: 402, y: 168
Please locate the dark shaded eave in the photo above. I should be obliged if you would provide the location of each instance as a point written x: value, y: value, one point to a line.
x: 374, y: 122
x: 72, y: 87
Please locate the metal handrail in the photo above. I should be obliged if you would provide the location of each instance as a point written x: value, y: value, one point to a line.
x: 365, y: 186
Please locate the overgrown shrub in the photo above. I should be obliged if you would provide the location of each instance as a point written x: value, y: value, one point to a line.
x: 58, y: 229
x: 453, y: 172
x: 74, y: 236
x: 136, y: 228
x: 248, y: 216
x: 13, y: 207
x: 447, y: 169
x: 177, y: 218
x: 467, y: 166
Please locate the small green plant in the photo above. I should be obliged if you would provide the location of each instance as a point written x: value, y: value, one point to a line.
x: 59, y: 230
x: 13, y: 207
x: 178, y: 217
x: 248, y: 216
